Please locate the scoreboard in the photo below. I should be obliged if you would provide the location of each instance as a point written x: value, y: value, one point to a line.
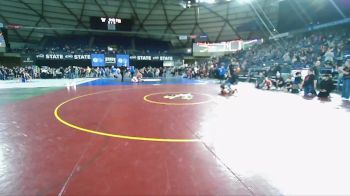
x: 210, y: 49
x: 111, y: 23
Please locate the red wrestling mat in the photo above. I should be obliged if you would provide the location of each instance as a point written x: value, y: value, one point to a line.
x: 50, y: 155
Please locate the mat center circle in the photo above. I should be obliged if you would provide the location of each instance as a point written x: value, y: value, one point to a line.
x: 177, y: 98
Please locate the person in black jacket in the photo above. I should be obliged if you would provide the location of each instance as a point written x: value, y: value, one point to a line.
x: 122, y: 72
x: 326, y: 86
x: 279, y: 82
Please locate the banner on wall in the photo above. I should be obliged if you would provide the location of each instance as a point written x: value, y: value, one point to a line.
x: 152, y: 58
x: 123, y: 60
x: 110, y: 60
x: 63, y: 56
x: 97, y: 60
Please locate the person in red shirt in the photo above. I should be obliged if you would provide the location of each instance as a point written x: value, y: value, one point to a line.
x: 309, y: 84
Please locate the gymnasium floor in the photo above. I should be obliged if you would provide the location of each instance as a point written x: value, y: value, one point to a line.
x: 175, y: 137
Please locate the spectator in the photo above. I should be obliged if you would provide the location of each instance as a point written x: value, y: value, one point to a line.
x: 132, y: 71
x: 346, y: 80
x: 329, y: 55
x: 309, y: 84
x: 289, y: 83
x: 1, y: 74
x: 267, y: 83
x: 221, y: 72
x: 157, y: 72
x: 316, y: 70
x: 339, y: 79
x: 88, y: 71
x: 260, y: 81
x: 326, y: 86
x: 279, y: 82
x: 297, y: 83
x: 123, y: 72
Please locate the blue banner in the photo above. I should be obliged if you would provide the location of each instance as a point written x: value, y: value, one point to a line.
x: 122, y: 60
x: 97, y: 60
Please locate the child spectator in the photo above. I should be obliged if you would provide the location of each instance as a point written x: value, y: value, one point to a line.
x: 279, y: 82
x: 326, y: 86
x: 297, y: 83
x: 289, y: 83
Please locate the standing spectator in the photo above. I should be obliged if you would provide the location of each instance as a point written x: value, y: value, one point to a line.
x: 346, y: 80
x: 1, y: 74
x: 157, y: 72
x: 339, y: 79
x: 165, y: 71
x: 118, y: 72
x: 76, y: 72
x: 189, y: 73
x: 221, y: 73
x: 161, y: 72
x: 309, y: 84
x: 316, y: 70
x: 88, y: 71
x: 114, y: 72
x: 132, y: 71
x: 122, y: 72
x: 71, y: 72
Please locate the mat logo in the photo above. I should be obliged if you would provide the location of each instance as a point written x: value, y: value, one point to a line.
x: 184, y: 96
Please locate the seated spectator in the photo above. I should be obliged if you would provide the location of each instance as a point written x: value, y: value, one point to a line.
x: 267, y: 83
x: 309, y: 84
x: 329, y: 55
x: 326, y: 86
x: 260, y: 81
x: 297, y: 83
x: 279, y: 82
x: 289, y: 83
